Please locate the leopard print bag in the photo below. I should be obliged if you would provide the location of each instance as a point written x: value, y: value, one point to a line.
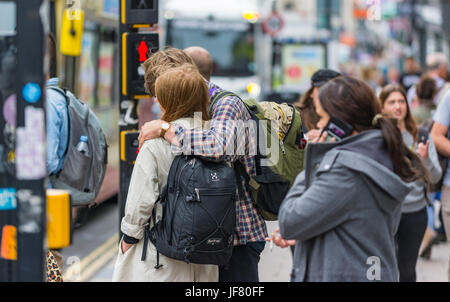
x: 53, y: 269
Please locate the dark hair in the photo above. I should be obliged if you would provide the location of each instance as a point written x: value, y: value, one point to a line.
x: 410, y: 123
x: 51, y: 53
x: 353, y: 101
x: 307, y: 110
x: 426, y: 90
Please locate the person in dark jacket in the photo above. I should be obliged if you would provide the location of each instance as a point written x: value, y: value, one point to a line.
x: 344, y: 209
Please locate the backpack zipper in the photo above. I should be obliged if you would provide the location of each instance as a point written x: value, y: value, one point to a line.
x: 213, y: 192
x: 176, y: 201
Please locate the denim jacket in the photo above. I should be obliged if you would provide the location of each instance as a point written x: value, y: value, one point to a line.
x: 57, y: 128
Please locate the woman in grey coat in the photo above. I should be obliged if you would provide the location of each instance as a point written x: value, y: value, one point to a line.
x: 344, y: 209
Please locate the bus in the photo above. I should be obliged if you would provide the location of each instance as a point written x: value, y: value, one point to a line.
x: 231, y: 31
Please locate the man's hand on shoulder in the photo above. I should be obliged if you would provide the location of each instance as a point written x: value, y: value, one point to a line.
x: 150, y: 131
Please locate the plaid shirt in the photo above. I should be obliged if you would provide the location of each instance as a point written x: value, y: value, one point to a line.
x: 225, y: 131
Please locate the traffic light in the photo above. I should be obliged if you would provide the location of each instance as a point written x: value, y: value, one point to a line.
x: 129, y: 147
x: 136, y: 48
x: 139, y: 12
x: 138, y: 40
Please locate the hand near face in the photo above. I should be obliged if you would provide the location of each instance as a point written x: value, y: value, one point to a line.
x: 322, y: 138
x: 313, y: 135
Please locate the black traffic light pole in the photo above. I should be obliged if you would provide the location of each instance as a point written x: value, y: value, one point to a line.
x: 23, y: 160
x: 133, y: 15
x: 30, y: 142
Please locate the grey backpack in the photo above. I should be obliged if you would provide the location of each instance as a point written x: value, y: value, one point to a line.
x: 82, y: 175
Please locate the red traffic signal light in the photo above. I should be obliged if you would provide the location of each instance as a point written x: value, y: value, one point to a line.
x: 136, y: 49
x: 143, y: 51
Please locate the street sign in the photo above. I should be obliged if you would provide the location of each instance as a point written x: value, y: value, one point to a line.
x: 137, y: 48
x: 273, y: 24
x: 139, y: 12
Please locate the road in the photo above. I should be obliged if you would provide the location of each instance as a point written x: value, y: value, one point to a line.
x: 92, y: 255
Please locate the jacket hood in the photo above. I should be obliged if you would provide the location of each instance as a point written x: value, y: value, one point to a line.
x: 367, y: 154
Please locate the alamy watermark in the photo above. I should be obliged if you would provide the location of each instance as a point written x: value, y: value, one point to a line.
x: 374, y: 271
x: 233, y: 138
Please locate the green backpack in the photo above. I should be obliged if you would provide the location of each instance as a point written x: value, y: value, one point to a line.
x: 273, y: 181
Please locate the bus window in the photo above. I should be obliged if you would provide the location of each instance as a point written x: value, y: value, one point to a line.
x: 231, y: 44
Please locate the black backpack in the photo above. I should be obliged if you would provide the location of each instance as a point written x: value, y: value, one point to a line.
x: 199, y: 213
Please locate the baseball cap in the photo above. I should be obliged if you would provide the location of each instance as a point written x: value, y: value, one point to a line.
x: 322, y: 76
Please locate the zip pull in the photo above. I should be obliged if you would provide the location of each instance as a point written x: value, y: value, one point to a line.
x: 282, y: 147
x: 198, y: 194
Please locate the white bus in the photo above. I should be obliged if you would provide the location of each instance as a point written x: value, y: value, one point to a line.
x: 231, y: 31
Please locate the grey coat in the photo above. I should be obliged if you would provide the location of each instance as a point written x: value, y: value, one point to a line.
x: 344, y: 210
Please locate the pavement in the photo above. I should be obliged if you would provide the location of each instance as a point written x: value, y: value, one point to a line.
x: 276, y: 264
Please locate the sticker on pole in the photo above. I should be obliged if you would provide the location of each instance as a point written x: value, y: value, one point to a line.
x: 9, y: 243
x: 30, y: 146
x: 8, y: 199
x: 31, y: 92
x: 9, y: 110
x: 273, y: 24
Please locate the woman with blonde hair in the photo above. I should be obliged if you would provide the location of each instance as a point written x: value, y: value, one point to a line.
x: 180, y: 92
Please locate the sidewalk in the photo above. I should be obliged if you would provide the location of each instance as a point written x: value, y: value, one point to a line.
x: 276, y: 264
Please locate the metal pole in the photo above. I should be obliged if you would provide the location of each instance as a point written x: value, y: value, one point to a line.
x: 8, y: 202
x: 30, y: 142
x: 127, y: 116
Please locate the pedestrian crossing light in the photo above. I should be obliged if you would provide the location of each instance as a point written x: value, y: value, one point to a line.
x: 139, y: 12
x: 136, y: 49
x: 72, y: 32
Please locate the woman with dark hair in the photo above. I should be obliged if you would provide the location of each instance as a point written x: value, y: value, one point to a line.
x: 344, y: 209
x: 426, y: 90
x: 306, y: 103
x: 413, y: 222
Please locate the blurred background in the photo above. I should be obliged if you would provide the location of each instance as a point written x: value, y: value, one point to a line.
x: 261, y: 48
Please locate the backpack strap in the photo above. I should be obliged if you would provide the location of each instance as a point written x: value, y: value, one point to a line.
x: 147, y: 231
x: 240, y: 172
x: 220, y: 96
x: 62, y: 91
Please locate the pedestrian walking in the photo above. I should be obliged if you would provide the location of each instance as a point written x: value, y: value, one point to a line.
x: 437, y: 68
x: 426, y: 91
x: 413, y: 222
x: 412, y: 73
x: 344, y: 209
x: 439, y: 134
x: 180, y: 92
x: 228, y: 115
